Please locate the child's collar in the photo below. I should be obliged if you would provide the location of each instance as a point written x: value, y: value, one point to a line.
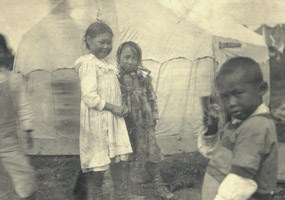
x: 261, y: 109
x: 140, y: 71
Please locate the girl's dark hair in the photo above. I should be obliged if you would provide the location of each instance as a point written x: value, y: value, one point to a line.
x: 97, y: 28
x: 9, y: 57
x: 3, y: 43
x: 134, y: 47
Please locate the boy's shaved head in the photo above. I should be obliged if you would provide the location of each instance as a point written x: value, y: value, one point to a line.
x: 241, y: 86
x: 247, y: 67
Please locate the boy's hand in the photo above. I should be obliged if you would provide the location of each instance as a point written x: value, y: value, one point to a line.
x: 212, y: 119
x: 212, y: 128
x: 213, y: 113
x: 28, y: 138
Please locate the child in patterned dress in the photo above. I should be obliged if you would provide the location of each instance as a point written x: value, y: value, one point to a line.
x: 140, y: 101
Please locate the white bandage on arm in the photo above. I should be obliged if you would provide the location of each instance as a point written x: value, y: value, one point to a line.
x: 236, y: 187
x: 207, y: 144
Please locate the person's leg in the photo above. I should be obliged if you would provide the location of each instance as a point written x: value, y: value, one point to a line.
x: 80, y: 188
x: 19, y: 169
x: 210, y: 187
x: 33, y: 197
x: 120, y: 182
x: 127, y: 171
x: 160, y: 190
x: 94, y: 182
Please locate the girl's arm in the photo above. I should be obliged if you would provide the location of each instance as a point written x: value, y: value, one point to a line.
x: 116, y: 110
x: 89, y: 86
x: 152, y: 98
x: 89, y: 89
x: 23, y: 106
x: 126, y: 103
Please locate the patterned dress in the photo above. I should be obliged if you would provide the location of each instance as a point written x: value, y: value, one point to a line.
x: 103, y: 136
x: 139, y: 97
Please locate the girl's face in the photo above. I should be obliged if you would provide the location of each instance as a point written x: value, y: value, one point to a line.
x: 101, y: 45
x: 129, y: 60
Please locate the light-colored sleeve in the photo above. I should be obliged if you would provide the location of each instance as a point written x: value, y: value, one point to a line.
x: 89, y: 85
x: 22, y: 102
x: 235, y: 187
x: 207, y: 144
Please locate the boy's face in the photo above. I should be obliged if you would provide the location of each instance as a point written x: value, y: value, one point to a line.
x: 128, y: 60
x: 240, y: 97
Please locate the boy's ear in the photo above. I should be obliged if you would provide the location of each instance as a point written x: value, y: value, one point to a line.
x: 263, y: 87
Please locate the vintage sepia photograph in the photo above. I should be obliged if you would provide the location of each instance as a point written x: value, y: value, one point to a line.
x: 142, y: 100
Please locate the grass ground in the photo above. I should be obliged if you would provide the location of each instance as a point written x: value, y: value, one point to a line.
x: 56, y: 177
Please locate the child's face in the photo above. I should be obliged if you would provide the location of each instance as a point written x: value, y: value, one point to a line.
x: 128, y: 60
x: 240, y: 97
x: 101, y: 45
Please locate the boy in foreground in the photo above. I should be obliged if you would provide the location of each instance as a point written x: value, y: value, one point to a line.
x: 243, y: 158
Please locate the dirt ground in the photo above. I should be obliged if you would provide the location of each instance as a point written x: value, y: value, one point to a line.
x: 56, y: 177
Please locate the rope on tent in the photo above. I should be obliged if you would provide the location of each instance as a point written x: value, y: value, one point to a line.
x: 99, y: 13
x: 53, y: 101
x: 187, y: 94
x: 195, y: 83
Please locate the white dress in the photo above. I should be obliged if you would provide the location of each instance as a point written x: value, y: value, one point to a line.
x: 103, y: 136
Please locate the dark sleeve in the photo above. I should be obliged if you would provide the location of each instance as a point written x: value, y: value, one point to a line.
x: 126, y: 101
x: 253, y: 144
x: 151, y: 96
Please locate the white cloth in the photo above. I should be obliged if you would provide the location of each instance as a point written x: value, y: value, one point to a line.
x: 103, y: 136
x: 207, y: 144
x: 235, y: 187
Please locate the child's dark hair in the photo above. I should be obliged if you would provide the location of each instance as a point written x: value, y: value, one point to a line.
x: 3, y: 43
x: 134, y: 47
x: 97, y: 28
x: 250, y: 69
x: 9, y: 58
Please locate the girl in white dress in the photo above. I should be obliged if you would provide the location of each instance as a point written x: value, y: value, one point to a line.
x: 104, y: 140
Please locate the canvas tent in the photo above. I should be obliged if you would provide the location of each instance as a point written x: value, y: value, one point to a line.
x: 266, y: 17
x: 182, y: 56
